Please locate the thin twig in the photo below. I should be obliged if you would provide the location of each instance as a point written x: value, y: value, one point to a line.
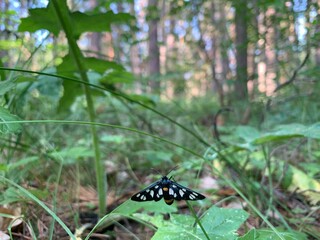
x: 294, y: 74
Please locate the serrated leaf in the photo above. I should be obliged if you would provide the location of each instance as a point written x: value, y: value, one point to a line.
x: 5, y: 127
x: 46, y: 18
x: 41, y: 18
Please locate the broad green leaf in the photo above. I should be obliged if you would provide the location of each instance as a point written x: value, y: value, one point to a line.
x: 127, y: 208
x: 101, y: 66
x: 264, y: 234
x: 7, y: 85
x: 101, y: 22
x: 41, y: 18
x: 177, y: 227
x: 223, y: 222
x: 69, y: 68
x: 282, y: 132
x: 247, y: 133
x: 117, y: 77
x: 70, y: 91
x: 251, y: 235
x: 156, y: 207
x: 5, y: 127
x: 46, y: 18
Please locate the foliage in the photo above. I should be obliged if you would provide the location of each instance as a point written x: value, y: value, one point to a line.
x: 264, y: 174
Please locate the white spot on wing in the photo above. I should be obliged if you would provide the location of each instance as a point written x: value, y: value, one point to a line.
x: 175, y: 195
x: 152, y: 193
x: 194, y: 193
x: 138, y: 195
x: 160, y: 192
x: 192, y: 197
x: 171, y: 192
x: 181, y: 192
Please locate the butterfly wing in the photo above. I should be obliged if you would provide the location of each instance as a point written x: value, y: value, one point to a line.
x: 180, y: 192
x: 153, y: 192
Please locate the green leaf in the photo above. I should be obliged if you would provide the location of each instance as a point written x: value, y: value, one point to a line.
x: 101, y: 66
x: 156, y: 207
x: 69, y: 68
x: 41, y: 18
x: 251, y: 235
x: 70, y: 91
x: 117, y: 77
x: 178, y: 227
x: 97, y: 22
x: 222, y: 223
x: 282, y: 132
x: 262, y: 234
x: 7, y: 85
x: 46, y: 18
x: 5, y: 127
x: 247, y: 133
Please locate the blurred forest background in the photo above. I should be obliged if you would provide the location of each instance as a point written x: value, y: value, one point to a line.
x: 101, y: 98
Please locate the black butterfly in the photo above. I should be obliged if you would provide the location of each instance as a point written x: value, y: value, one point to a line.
x: 169, y: 190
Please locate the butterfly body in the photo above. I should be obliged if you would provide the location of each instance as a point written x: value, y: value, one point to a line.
x: 167, y: 189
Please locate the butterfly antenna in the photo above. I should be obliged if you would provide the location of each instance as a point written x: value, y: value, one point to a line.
x: 173, y: 169
x: 155, y: 170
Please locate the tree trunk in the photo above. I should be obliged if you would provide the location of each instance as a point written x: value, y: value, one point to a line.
x: 241, y: 49
x: 153, y: 48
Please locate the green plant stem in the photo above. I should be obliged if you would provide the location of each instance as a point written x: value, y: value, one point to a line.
x: 62, y: 12
x: 197, y: 220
